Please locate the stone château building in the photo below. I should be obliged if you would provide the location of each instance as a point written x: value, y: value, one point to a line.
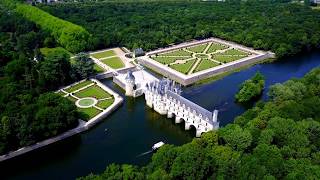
x: 164, y: 97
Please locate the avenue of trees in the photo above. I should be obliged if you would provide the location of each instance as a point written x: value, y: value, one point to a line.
x: 28, y: 111
x: 277, y: 139
x: 72, y: 37
x: 284, y: 28
x: 251, y: 88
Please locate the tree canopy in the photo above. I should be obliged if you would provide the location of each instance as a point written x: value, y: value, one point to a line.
x: 284, y: 28
x: 251, y: 88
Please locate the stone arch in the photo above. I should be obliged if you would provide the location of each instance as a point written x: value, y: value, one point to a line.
x: 179, y: 119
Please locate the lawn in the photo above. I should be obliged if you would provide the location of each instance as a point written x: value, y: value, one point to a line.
x: 235, y: 52
x: 179, y: 52
x: 72, y: 99
x: 60, y: 93
x: 114, y: 62
x: 215, y: 46
x: 184, y: 68
x: 93, y: 91
x: 98, y: 69
x: 227, y: 59
x: 205, y: 64
x: 105, y: 103
x: 78, y: 86
x: 88, y: 113
x: 45, y: 51
x: 103, y: 54
x: 202, y: 56
x: 198, y: 48
x: 168, y: 60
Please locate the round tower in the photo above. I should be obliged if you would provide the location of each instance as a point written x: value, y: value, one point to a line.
x: 130, y: 83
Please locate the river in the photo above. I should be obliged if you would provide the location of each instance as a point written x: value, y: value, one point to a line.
x: 134, y: 128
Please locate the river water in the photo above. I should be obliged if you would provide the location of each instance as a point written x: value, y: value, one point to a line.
x: 134, y: 128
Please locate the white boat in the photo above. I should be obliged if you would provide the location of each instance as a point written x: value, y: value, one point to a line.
x: 157, y: 145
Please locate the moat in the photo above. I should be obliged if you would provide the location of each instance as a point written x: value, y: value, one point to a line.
x: 134, y: 127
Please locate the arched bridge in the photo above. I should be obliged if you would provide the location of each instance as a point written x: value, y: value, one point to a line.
x: 164, y: 97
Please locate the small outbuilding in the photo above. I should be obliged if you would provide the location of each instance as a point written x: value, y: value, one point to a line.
x: 138, y: 52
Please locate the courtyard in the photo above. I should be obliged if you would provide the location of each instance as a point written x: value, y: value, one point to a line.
x: 89, y: 97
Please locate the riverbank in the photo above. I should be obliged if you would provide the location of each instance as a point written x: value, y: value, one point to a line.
x: 224, y: 74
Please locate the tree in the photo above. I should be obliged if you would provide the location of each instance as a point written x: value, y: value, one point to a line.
x: 82, y: 67
x: 54, y: 70
x: 251, y: 88
x: 164, y: 158
x: 235, y: 137
x: 190, y: 164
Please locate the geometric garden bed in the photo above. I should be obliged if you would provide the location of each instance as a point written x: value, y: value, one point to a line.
x: 192, y: 59
x: 90, y: 98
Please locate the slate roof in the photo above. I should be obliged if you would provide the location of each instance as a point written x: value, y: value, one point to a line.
x: 193, y: 106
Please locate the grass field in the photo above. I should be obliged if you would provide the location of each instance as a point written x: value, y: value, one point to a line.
x: 227, y: 59
x: 114, y: 62
x: 215, y: 46
x: 60, y: 93
x: 72, y: 98
x: 86, y: 102
x: 93, y: 91
x: 46, y: 51
x: 78, y: 86
x: 168, y: 60
x: 234, y: 52
x: 88, y: 113
x: 98, y: 69
x: 205, y: 64
x: 198, y: 48
x: 183, y: 68
x: 202, y: 56
x: 105, y: 103
x: 103, y: 54
x: 179, y: 52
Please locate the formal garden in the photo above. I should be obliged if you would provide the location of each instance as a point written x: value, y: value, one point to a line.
x: 199, y: 57
x: 89, y: 98
x: 109, y: 58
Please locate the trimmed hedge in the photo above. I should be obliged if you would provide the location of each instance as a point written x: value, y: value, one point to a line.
x: 72, y: 37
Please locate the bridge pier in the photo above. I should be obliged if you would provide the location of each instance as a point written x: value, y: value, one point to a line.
x: 187, y: 126
x: 198, y: 132
x: 178, y: 120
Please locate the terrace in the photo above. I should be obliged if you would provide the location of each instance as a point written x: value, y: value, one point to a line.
x: 89, y: 97
x: 190, y: 62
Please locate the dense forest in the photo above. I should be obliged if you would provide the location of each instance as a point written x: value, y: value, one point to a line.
x: 284, y: 28
x: 28, y: 111
x: 277, y: 139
